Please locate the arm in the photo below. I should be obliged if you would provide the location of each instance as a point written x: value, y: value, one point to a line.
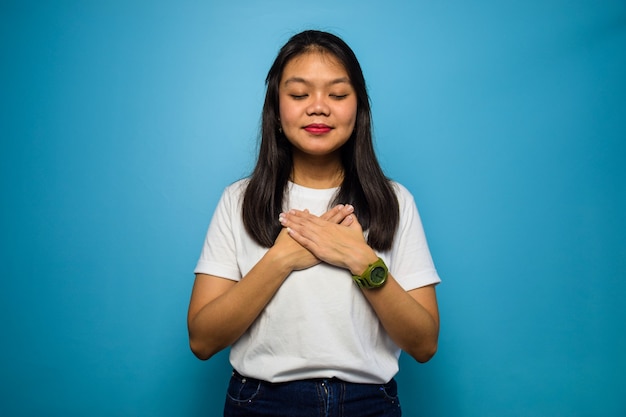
x: 221, y: 310
x: 410, y: 318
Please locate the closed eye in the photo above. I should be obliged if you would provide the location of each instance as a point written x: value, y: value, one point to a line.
x: 339, y: 96
x: 299, y: 96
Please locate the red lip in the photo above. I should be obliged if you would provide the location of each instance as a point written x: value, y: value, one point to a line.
x: 317, y: 128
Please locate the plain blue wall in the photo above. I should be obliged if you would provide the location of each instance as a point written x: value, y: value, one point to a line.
x: 121, y: 122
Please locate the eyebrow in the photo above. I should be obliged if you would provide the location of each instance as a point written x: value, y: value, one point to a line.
x: 303, y: 81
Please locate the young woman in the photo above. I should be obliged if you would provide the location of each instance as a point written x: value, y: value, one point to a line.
x: 315, y: 269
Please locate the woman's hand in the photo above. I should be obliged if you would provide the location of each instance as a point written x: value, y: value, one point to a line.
x: 297, y: 255
x: 410, y: 318
x: 221, y: 310
x: 340, y: 243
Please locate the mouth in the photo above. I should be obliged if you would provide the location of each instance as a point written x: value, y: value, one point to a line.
x: 317, y: 128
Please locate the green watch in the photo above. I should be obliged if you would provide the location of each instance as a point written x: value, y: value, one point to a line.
x: 374, y: 276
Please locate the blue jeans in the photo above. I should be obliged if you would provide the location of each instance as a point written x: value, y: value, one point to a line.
x: 248, y: 397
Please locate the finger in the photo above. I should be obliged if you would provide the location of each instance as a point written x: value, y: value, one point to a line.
x: 302, y: 240
x: 338, y: 213
x: 353, y: 223
x: 299, y: 218
x: 293, y: 218
x: 330, y: 214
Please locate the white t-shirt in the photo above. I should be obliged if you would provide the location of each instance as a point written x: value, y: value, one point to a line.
x: 318, y: 324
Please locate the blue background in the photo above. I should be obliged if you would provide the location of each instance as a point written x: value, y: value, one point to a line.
x: 121, y: 122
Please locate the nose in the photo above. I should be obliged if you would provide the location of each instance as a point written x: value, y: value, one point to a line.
x: 318, y: 105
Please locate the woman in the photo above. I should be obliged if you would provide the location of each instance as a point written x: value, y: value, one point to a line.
x: 315, y: 270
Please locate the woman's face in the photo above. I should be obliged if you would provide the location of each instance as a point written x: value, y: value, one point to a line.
x: 317, y: 104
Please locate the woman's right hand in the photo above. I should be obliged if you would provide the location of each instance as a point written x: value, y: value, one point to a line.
x: 221, y: 310
x: 296, y: 256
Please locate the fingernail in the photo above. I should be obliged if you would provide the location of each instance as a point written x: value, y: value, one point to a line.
x: 350, y: 207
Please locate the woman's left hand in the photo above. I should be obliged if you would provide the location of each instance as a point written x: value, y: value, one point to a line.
x: 342, y: 244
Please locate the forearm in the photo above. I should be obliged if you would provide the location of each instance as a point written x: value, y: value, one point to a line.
x: 412, y: 320
x: 414, y: 327
x: 221, y: 321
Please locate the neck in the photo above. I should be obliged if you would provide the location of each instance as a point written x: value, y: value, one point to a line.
x: 320, y: 172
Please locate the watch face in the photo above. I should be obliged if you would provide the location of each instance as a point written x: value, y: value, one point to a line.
x: 378, y: 275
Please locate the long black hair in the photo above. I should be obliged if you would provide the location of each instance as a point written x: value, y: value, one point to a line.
x: 364, y: 185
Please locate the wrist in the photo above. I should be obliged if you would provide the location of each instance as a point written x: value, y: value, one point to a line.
x: 362, y: 260
x: 281, y: 262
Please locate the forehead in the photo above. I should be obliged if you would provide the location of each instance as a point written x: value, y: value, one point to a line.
x: 314, y: 65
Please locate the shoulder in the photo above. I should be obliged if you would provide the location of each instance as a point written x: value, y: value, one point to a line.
x: 235, y: 190
x: 237, y: 187
x: 403, y: 195
x: 232, y: 196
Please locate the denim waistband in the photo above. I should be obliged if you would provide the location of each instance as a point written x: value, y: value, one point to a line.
x: 327, y: 397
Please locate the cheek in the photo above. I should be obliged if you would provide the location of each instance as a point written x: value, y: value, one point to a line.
x: 348, y: 116
x: 285, y: 113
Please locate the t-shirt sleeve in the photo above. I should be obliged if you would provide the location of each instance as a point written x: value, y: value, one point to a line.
x: 219, y: 252
x: 410, y: 261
